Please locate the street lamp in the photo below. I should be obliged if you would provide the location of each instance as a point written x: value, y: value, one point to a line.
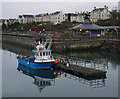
x: 80, y: 29
x: 43, y: 29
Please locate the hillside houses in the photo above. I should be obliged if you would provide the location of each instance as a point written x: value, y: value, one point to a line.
x: 55, y: 17
x: 58, y: 17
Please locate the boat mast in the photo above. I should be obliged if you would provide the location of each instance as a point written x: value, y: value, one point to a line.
x: 50, y: 25
x: 50, y: 34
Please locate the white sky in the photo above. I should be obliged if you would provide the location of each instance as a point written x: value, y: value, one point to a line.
x: 12, y: 8
x: 60, y: 0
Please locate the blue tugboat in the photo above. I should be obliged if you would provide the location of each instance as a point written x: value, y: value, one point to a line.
x: 41, y: 60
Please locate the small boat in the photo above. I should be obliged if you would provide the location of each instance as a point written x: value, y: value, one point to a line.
x: 41, y: 60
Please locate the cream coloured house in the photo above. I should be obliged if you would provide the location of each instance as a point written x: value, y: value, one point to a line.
x: 99, y: 14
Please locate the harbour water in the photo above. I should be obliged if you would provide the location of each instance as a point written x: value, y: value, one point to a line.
x: 18, y: 83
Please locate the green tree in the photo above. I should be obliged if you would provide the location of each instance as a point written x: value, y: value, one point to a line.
x: 4, y: 27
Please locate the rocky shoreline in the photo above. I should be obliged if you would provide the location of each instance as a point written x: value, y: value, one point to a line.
x: 111, y: 47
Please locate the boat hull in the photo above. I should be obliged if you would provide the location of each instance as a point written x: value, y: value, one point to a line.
x: 36, y: 65
x: 48, y: 74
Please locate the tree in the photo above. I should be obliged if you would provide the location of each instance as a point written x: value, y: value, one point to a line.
x: 4, y: 27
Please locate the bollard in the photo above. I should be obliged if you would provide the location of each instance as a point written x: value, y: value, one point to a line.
x: 56, y: 61
x: 67, y: 64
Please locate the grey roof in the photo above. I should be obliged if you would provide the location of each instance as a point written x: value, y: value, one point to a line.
x: 39, y: 15
x: 89, y: 27
x: 112, y: 27
x: 101, y: 9
x: 28, y: 15
x: 74, y: 14
x: 57, y: 12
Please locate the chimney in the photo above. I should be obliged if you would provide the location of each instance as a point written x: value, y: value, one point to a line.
x: 105, y: 6
x: 94, y: 8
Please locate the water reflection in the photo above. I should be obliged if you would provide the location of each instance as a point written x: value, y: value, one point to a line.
x: 93, y: 83
x: 46, y: 78
x: 42, y: 78
x: 86, y: 60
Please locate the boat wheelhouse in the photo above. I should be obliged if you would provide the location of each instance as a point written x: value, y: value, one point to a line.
x: 42, y: 55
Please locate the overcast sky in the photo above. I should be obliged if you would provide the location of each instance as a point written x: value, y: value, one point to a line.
x: 11, y: 8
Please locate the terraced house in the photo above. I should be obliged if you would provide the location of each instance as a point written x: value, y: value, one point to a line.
x: 79, y: 17
x: 55, y: 17
x: 42, y: 17
x: 25, y: 18
x: 99, y: 14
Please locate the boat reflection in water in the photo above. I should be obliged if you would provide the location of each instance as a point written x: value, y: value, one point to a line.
x: 42, y: 78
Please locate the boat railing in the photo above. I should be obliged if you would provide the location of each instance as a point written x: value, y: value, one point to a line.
x: 43, y: 55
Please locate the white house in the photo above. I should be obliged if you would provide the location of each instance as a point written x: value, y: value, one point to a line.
x: 57, y: 17
x: 25, y: 18
x: 99, y: 14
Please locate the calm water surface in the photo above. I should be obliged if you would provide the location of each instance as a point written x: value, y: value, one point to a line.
x: 17, y: 83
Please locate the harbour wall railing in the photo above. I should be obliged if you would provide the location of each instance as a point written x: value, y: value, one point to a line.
x: 61, y: 43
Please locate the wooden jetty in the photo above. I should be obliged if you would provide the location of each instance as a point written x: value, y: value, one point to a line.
x: 83, y: 72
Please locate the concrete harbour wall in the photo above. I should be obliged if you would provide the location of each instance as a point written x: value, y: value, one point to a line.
x: 67, y: 44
